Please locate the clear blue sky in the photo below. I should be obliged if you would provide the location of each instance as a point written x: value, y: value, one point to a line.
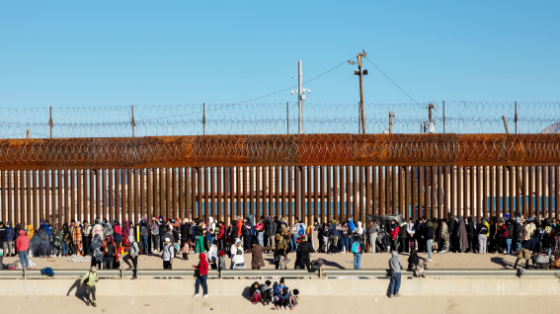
x: 109, y: 53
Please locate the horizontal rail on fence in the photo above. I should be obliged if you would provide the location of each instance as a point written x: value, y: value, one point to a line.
x: 330, y: 273
x: 281, y: 150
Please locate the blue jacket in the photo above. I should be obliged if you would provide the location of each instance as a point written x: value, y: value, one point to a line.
x: 334, y: 232
x: 10, y: 233
x: 351, y: 225
x: 47, y: 229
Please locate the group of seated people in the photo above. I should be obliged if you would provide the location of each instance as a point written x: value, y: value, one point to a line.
x: 278, y: 293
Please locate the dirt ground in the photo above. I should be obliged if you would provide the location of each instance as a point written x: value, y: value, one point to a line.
x: 339, y: 261
x: 316, y: 304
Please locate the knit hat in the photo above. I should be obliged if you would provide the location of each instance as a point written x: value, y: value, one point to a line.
x: 167, y: 240
x: 93, y: 269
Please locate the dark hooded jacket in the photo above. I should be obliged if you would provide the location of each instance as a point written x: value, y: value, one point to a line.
x: 270, y: 227
x: 462, y: 235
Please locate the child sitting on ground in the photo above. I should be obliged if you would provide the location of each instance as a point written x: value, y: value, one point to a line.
x: 282, y: 299
x: 266, y: 292
x: 255, y: 293
x: 294, y: 299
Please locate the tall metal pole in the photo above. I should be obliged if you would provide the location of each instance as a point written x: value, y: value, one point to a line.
x: 301, y: 97
x: 515, y: 120
x: 444, y: 117
x: 203, y: 118
x: 362, y: 113
x: 287, y: 118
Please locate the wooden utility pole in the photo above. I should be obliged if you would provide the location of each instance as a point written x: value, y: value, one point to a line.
x: 132, y: 123
x: 50, y: 120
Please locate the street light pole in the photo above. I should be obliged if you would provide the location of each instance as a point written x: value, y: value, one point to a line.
x: 301, y: 97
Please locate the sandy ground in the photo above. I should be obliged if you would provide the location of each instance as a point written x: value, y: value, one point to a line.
x: 339, y: 261
x: 153, y: 305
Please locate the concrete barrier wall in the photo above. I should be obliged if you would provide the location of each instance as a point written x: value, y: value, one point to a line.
x: 338, y: 287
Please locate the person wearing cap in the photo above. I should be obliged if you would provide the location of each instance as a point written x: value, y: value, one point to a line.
x: 89, y: 280
x: 167, y: 254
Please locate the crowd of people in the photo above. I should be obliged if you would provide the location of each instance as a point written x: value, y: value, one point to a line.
x: 111, y: 244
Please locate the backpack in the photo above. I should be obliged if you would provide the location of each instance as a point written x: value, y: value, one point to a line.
x: 301, y: 230
x: 43, y: 233
x: 356, y: 248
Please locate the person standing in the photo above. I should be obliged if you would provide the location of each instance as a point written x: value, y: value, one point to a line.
x: 395, y: 265
x: 372, y: 235
x: 394, y: 235
x: 76, y: 238
x: 168, y: 254
x: 89, y: 281
x: 117, y: 233
x: 9, y: 236
x: 403, y: 238
x: 132, y: 256
x: 462, y: 235
x: 257, y: 260
x: 482, y: 232
x: 303, y: 255
x: 22, y: 245
x: 155, y: 235
x: 201, y: 276
x: 270, y: 232
x: 2, y: 234
x: 110, y: 251
x: 144, y: 236
x: 96, y: 253
x: 44, y: 233
x: 334, y: 233
x: 87, y: 237
x: 430, y: 236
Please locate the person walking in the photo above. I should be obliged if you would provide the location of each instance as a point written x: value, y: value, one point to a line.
x: 89, y: 280
x: 303, y: 255
x: 201, y: 276
x: 132, y: 256
x: 372, y: 231
x: 168, y: 254
x: 525, y: 252
x: 22, y: 245
x: 357, y: 249
x: 395, y: 265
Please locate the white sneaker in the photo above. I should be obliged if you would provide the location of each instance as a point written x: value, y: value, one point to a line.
x: 196, y: 295
x: 205, y: 296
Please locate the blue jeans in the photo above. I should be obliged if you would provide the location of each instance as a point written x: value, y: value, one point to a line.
x: 46, y: 248
x: 395, y: 283
x: 23, y: 259
x: 201, y: 280
x: 64, y: 248
x: 293, y: 242
x: 508, y: 245
x: 429, y: 243
x: 357, y: 261
x: 144, y: 243
x: 260, y: 238
x: 518, y: 247
x: 344, y: 244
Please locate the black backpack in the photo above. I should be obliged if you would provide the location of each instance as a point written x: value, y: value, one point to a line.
x: 43, y: 233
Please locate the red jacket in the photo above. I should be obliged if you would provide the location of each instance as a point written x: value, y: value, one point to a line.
x: 22, y: 242
x: 395, y: 233
x: 202, y: 267
x: 239, y: 226
x: 221, y: 232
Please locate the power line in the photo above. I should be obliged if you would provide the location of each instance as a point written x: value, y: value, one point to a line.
x: 289, y: 88
x: 387, y: 76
